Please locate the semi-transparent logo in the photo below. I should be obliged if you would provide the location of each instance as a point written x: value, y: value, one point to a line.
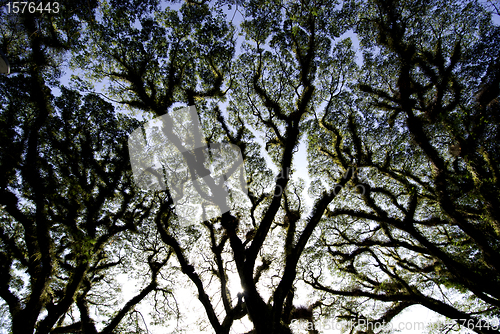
x: 170, y: 153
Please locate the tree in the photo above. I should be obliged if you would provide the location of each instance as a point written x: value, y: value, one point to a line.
x: 424, y: 230
x: 402, y: 156
x: 69, y: 208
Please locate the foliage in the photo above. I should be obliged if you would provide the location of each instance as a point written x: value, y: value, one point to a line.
x: 399, y: 207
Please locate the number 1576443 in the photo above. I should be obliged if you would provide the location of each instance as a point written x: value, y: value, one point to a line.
x: 33, y: 7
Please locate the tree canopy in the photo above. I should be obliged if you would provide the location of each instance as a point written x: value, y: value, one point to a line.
x: 369, y: 133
